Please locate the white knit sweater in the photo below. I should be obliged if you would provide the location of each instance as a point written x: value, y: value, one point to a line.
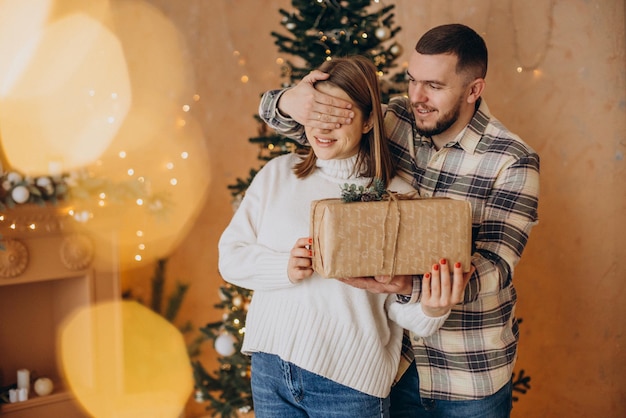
x: 321, y: 325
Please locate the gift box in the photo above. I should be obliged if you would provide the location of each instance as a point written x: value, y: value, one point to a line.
x: 391, y: 237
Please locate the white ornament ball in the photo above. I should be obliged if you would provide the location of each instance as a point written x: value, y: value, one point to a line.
x: 382, y: 33
x: 396, y: 50
x: 43, y: 182
x: 14, y: 177
x: 46, y: 184
x: 20, y: 194
x: 225, y: 344
x: 43, y: 386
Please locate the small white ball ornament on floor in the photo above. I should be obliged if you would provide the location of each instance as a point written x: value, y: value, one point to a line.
x: 225, y: 344
x: 43, y: 386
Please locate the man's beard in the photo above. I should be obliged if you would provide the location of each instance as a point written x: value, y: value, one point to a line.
x: 442, y: 124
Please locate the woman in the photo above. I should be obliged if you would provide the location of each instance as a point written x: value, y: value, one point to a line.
x: 319, y: 347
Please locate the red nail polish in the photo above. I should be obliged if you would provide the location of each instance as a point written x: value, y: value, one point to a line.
x: 427, y: 276
x: 310, y: 240
x: 310, y: 253
x: 436, y: 267
x: 457, y: 265
x: 443, y: 262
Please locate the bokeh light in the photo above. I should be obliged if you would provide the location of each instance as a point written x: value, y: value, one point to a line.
x: 139, y: 162
x: 120, y: 359
x: 22, y: 20
x: 69, y: 99
x: 157, y: 57
x: 152, y: 193
x: 154, y: 175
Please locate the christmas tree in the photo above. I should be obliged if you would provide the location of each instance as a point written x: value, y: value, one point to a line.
x: 317, y: 30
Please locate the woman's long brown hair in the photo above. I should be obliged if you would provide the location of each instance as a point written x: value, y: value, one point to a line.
x: 356, y: 76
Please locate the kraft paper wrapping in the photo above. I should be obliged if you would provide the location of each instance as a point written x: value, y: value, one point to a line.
x: 393, y: 237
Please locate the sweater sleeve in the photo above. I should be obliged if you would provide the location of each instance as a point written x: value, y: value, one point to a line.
x: 412, y: 317
x: 243, y: 261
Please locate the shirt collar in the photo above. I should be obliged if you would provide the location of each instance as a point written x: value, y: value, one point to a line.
x: 470, y: 137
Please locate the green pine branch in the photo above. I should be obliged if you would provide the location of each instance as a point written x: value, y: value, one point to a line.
x: 521, y: 384
x: 227, y: 390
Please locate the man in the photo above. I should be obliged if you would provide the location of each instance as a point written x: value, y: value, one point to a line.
x: 447, y: 144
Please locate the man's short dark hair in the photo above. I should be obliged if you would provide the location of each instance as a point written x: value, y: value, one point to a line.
x: 459, y: 40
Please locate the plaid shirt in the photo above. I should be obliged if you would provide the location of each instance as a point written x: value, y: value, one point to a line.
x: 473, y: 354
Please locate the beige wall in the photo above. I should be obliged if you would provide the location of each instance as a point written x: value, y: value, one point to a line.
x: 571, y: 278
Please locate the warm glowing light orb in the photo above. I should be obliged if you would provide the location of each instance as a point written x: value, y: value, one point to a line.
x: 69, y: 100
x: 22, y: 20
x: 120, y: 359
x: 154, y: 173
x: 158, y: 57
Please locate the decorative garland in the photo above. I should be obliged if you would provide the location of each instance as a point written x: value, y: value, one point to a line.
x: 17, y: 189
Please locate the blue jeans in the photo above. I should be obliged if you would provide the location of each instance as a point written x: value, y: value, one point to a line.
x: 283, y: 390
x: 406, y: 402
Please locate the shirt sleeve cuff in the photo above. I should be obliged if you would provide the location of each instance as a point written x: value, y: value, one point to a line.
x: 277, y: 113
x: 416, y: 293
x: 269, y: 112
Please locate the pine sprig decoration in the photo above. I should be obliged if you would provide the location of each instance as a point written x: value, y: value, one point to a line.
x: 354, y: 193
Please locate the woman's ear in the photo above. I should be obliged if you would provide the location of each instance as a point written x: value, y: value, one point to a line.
x: 368, y: 124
